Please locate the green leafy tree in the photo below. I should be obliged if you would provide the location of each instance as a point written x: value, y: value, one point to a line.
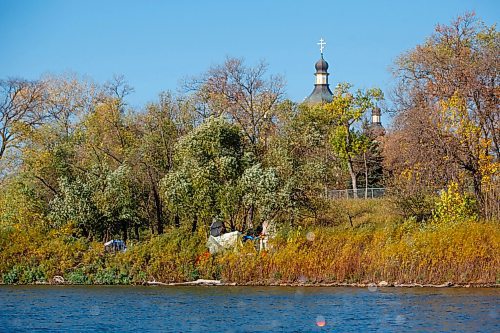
x: 346, y: 111
x: 100, y: 204
x: 75, y: 204
x: 209, y: 163
x: 215, y: 178
x: 261, y: 192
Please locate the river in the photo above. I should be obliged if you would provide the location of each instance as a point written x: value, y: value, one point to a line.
x: 246, y: 309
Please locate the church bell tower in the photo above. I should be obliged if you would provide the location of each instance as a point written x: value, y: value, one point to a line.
x: 321, y: 92
x: 376, y: 128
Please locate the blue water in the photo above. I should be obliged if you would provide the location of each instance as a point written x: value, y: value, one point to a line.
x: 246, y: 309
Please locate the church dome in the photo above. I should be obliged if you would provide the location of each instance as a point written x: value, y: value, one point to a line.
x: 321, y: 65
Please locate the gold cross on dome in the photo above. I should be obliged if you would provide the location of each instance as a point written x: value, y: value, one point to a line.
x: 321, y: 44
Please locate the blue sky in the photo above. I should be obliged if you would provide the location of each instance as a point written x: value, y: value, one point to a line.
x: 155, y: 44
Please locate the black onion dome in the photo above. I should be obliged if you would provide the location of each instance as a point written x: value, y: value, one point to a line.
x: 321, y: 65
x: 321, y: 92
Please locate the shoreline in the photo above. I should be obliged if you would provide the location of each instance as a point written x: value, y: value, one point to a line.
x: 206, y: 283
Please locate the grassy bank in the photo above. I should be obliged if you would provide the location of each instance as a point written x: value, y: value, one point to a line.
x: 376, y: 247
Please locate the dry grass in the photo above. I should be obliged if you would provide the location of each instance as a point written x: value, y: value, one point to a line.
x: 376, y: 247
x: 406, y: 253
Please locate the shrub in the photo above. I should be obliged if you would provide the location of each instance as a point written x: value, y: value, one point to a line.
x: 455, y: 206
x: 12, y: 276
x: 24, y: 275
x: 110, y: 276
x: 78, y: 276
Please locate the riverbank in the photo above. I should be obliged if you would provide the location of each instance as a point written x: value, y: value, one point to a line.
x: 218, y: 283
x: 381, y: 284
x: 405, y: 254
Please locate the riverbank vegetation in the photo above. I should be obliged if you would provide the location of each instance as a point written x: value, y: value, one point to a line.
x: 389, y: 250
x: 79, y: 167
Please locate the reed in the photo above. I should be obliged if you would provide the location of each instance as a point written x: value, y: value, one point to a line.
x: 371, y: 250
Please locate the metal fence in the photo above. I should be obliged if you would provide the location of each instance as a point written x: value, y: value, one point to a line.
x: 362, y: 193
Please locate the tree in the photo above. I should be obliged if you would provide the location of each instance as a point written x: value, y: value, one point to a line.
x: 100, y: 203
x: 302, y: 156
x: 20, y: 106
x: 243, y: 95
x: 74, y: 204
x: 347, y: 110
x: 372, y: 161
x: 215, y: 177
x: 160, y: 127
x: 117, y: 202
x: 69, y: 97
x: 261, y: 193
x: 117, y: 89
x: 447, y: 100
x: 210, y: 160
x: 49, y: 150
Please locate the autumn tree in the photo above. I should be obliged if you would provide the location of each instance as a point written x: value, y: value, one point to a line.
x: 347, y: 139
x: 160, y: 127
x: 79, y: 157
x: 21, y: 104
x: 448, y: 109
x: 49, y: 150
x: 242, y: 94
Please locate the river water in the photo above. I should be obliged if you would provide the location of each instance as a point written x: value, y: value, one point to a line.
x: 246, y: 309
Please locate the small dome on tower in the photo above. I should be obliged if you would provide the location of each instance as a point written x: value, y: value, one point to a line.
x: 321, y: 65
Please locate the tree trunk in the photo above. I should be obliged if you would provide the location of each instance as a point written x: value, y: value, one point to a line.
x: 158, y: 204
x: 3, y: 147
x: 136, y: 230
x: 232, y: 224
x: 250, y: 221
x: 85, y: 232
x: 478, y: 192
x: 366, y: 175
x: 353, y: 178
x: 177, y: 221
x: 245, y: 218
x: 125, y: 231
x: 195, y: 224
x: 159, y: 213
x: 350, y: 220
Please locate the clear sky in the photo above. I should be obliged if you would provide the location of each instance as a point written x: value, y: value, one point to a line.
x: 155, y: 44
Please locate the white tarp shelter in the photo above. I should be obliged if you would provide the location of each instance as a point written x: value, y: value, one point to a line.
x: 223, y: 242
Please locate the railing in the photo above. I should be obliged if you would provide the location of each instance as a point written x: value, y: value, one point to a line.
x: 363, y: 193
